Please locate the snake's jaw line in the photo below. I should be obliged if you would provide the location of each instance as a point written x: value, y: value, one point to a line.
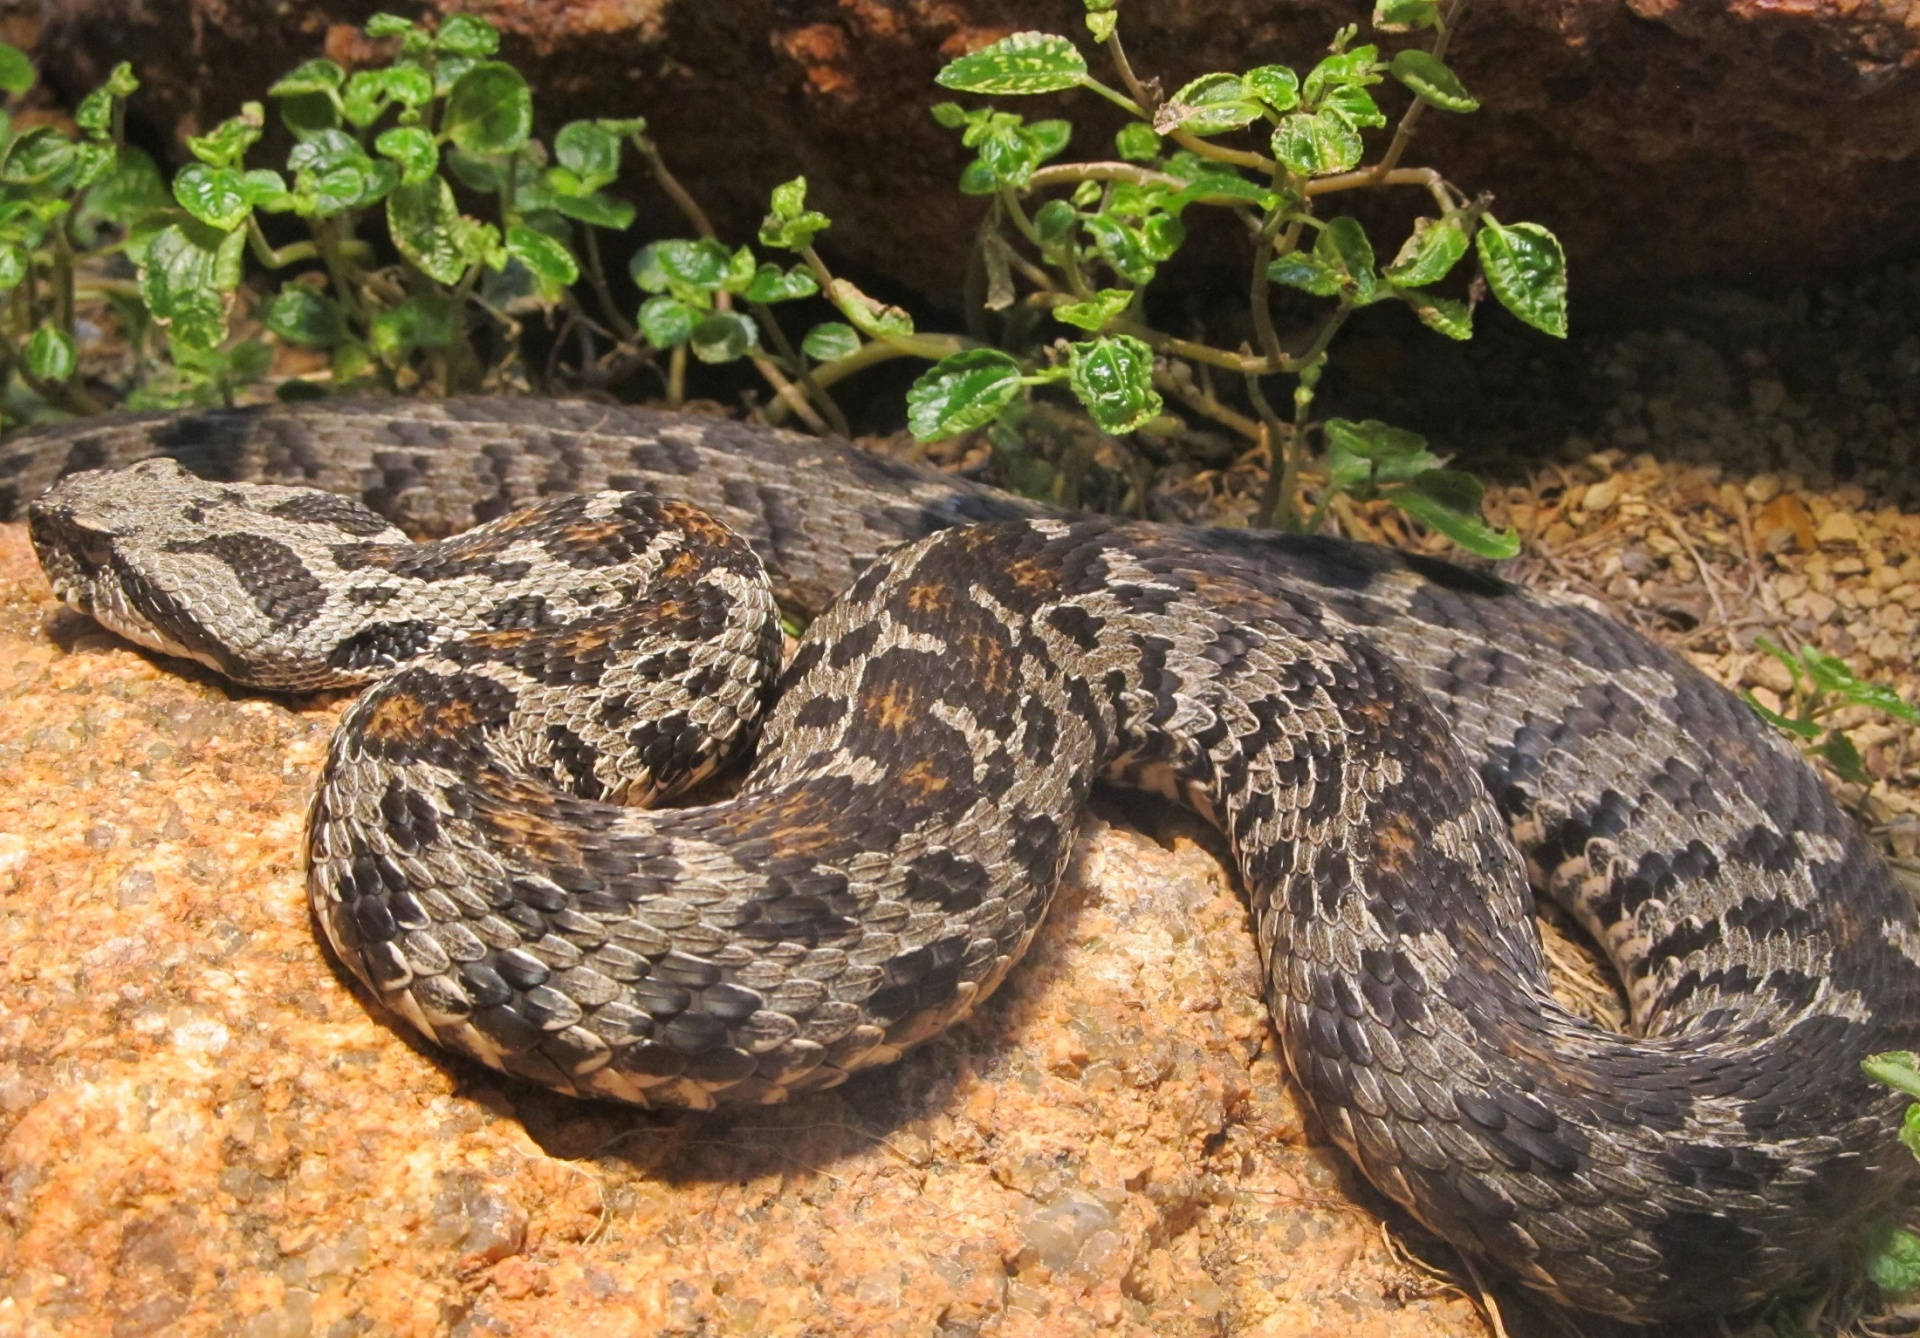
x: 1365, y: 728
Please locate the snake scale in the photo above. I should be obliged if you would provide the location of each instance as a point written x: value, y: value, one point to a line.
x: 1371, y: 731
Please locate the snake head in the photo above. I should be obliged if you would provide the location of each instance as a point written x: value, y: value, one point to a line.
x: 104, y: 537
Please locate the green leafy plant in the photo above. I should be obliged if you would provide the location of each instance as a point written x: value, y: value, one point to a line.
x: 1080, y: 243
x: 1822, y: 685
x: 396, y: 139
x: 68, y: 202
x: 434, y: 221
x: 1893, y: 1256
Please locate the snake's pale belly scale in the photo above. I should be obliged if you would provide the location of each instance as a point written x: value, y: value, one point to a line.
x: 1363, y: 727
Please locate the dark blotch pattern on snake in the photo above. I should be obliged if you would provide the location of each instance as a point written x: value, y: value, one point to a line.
x: 1364, y: 727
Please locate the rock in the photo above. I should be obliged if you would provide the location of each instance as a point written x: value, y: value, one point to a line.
x: 205, y: 1129
x: 1657, y: 137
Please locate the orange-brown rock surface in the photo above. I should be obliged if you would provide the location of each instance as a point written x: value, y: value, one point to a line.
x: 204, y: 1130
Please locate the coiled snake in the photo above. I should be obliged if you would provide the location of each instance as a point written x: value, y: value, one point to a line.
x: 1364, y: 727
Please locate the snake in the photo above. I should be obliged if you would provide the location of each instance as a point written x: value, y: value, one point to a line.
x: 569, y: 610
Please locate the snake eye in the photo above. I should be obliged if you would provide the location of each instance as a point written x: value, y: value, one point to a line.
x: 95, y: 547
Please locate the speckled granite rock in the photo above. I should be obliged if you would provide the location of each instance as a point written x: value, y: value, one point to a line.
x: 203, y: 1130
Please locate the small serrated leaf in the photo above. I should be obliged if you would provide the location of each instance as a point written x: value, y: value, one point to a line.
x: 489, y: 110
x: 1429, y: 253
x: 1027, y: 62
x: 16, y: 71
x: 1527, y: 271
x: 1113, y: 377
x: 830, y: 340
x: 51, y: 353
x: 1320, y: 143
x: 961, y: 392
x: 1431, y: 81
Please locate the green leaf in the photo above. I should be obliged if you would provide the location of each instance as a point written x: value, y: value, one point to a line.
x: 226, y: 143
x: 217, y: 196
x: 308, y: 114
x: 1356, y: 104
x: 1343, y: 245
x: 1832, y: 675
x: 1527, y: 271
x: 789, y: 224
x: 1399, y: 16
x: 413, y: 149
x: 316, y: 76
x: 1432, y: 250
x: 830, y: 340
x: 548, y: 260
x: 1275, y: 85
x: 131, y: 189
x: 701, y: 264
x: 426, y: 322
x: 37, y: 156
x: 1307, y: 272
x: 1448, y: 500
x: 13, y: 265
x: 369, y: 92
x: 773, y: 284
x: 598, y: 210
x: 1094, y: 315
x: 723, y: 336
x: 1055, y: 221
x: 1800, y: 729
x: 1136, y: 143
x: 1449, y: 316
x: 961, y: 392
x: 1893, y: 1261
x: 185, y: 276
x: 1839, y: 753
x: 333, y: 173
x: 302, y: 315
x: 1009, y: 149
x: 489, y: 109
x: 51, y: 354
x: 1113, y: 377
x: 1026, y: 62
x: 1431, y: 81
x: 1101, y: 23
x: 16, y: 71
x: 590, y: 152
x: 1312, y: 144
x: 94, y: 115
x: 1343, y: 69
x: 665, y: 321
x: 1370, y: 453
x: 425, y: 223
x: 466, y: 35
x: 1210, y: 105
x: 389, y: 25
x: 1898, y: 1069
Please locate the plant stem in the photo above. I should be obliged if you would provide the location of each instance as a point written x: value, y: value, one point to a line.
x: 1283, y: 445
x: 682, y: 200
x: 814, y: 390
x: 1403, y: 133
x: 597, y: 280
x: 1202, y: 401
x: 1400, y: 176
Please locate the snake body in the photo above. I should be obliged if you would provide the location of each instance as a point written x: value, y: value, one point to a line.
x: 1364, y: 727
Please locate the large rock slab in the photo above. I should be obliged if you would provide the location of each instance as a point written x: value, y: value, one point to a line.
x: 205, y: 1130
